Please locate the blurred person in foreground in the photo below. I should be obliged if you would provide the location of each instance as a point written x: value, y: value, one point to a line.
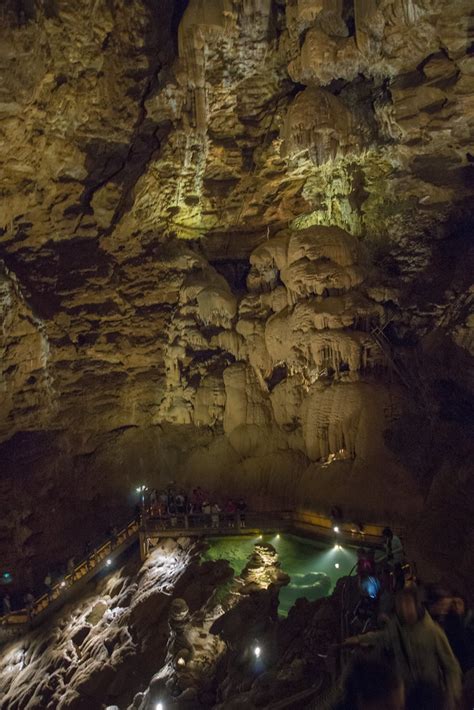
x: 419, y: 649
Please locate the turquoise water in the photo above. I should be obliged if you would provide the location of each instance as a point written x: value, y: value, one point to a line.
x: 310, y: 564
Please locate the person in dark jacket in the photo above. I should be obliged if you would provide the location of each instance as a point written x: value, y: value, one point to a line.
x: 242, y: 507
x: 419, y: 648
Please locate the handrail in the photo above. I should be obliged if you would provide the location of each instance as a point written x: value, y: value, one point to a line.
x: 89, y: 563
x: 371, y: 532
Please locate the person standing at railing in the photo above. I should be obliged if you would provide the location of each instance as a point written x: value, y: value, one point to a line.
x: 199, y: 495
x: 394, y: 557
x: 206, y: 509
x: 180, y: 504
x: 48, y: 583
x: 6, y: 605
x: 88, y: 553
x: 113, y: 536
x: 163, y: 498
x: 138, y: 514
x: 215, y: 515
x: 29, y: 602
x: 230, y: 510
x: 71, y: 569
x: 242, y: 507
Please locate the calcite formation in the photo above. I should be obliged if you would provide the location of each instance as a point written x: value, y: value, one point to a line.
x: 235, y: 251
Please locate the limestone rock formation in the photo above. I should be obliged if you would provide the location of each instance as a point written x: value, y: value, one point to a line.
x: 235, y: 249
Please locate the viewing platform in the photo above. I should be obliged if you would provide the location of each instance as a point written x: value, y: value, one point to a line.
x: 251, y: 523
x: 153, y: 529
x: 11, y: 625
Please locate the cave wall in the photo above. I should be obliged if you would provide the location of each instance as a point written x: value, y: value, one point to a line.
x: 209, y: 211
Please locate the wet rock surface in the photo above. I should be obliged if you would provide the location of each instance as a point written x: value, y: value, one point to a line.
x: 174, y: 630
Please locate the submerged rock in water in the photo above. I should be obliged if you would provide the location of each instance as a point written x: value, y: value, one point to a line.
x: 311, y: 578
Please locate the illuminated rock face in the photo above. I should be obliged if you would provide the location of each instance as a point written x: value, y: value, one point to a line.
x: 206, y: 214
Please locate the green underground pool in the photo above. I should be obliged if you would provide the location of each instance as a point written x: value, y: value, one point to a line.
x: 314, y: 567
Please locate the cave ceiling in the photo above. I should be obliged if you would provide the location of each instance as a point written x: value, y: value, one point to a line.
x: 206, y: 207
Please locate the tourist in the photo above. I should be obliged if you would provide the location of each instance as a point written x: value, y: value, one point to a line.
x: 230, y: 510
x: 71, y: 567
x: 419, y: 647
x: 48, y: 583
x: 155, y: 508
x: 172, y: 511
x: 394, y: 557
x: 88, y: 553
x: 153, y: 498
x: 242, y: 507
x: 6, y: 605
x: 365, y: 563
x: 164, y: 499
x: 394, y: 552
x: 206, y: 509
x: 369, y: 585
x: 171, y: 500
x: 180, y: 504
x: 215, y: 515
x: 138, y: 514
x: 29, y: 602
x: 113, y: 536
x: 370, y: 684
x: 200, y: 495
x: 195, y: 499
x: 161, y: 514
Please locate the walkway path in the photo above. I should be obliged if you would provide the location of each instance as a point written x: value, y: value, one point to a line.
x: 261, y: 523
x: 99, y: 559
x: 153, y: 529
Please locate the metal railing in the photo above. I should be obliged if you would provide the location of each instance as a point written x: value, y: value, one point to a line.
x: 85, y: 567
x: 280, y: 520
x: 409, y: 572
x: 213, y: 522
x: 241, y: 522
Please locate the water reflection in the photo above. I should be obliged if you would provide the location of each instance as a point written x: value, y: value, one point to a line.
x: 314, y: 567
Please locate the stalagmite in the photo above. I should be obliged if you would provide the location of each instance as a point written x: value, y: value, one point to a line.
x: 318, y: 126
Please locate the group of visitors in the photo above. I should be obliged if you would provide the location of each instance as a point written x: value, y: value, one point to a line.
x: 201, y: 509
x: 60, y: 578
x: 412, y: 664
x: 415, y: 643
x: 28, y: 604
x: 387, y: 574
x: 420, y: 642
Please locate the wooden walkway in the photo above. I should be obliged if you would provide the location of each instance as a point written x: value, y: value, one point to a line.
x: 98, y: 561
x: 152, y: 530
x: 254, y: 524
